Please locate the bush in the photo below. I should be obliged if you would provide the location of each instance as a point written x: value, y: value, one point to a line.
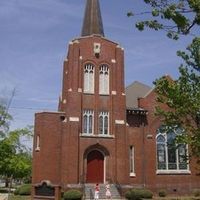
x: 133, y: 195
x: 23, y: 190
x: 137, y: 194
x: 72, y: 194
x: 146, y: 194
x: 162, y: 193
x: 3, y: 190
x: 196, y: 192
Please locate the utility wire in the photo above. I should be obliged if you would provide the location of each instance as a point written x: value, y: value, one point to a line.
x: 28, y: 108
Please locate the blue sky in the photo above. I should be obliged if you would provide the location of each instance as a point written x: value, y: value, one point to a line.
x: 34, y: 37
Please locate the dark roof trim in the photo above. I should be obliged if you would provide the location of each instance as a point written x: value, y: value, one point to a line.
x: 136, y: 111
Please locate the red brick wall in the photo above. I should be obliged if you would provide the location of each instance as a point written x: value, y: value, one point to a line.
x: 144, y: 141
x: 63, y: 151
x: 46, y: 161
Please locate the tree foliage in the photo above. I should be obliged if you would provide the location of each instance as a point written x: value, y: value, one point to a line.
x: 5, y: 117
x: 15, y: 162
x: 182, y: 97
x: 15, y: 156
x: 174, y: 16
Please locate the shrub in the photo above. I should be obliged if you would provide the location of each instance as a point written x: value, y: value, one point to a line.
x: 72, y: 194
x: 146, y: 194
x: 3, y: 190
x: 162, y: 193
x: 196, y: 192
x: 137, y: 194
x: 23, y: 190
x: 133, y: 195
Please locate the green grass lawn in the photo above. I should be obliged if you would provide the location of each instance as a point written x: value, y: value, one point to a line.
x: 13, y: 197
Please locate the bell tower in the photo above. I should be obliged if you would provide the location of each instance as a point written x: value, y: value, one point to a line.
x: 86, y: 141
x: 93, y: 99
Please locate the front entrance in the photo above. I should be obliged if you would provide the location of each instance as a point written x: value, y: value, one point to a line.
x: 95, y: 167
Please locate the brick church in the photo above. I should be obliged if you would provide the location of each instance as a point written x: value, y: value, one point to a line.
x: 102, y: 131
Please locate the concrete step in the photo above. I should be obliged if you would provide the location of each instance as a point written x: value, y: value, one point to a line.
x: 90, y: 189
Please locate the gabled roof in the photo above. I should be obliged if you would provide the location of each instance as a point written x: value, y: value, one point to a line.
x: 92, y: 23
x: 133, y: 92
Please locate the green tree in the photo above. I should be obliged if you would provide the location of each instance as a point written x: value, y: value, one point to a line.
x: 182, y: 97
x: 5, y: 118
x: 175, y: 17
x: 15, y: 156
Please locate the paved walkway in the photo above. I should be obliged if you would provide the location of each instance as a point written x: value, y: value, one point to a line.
x: 3, y: 196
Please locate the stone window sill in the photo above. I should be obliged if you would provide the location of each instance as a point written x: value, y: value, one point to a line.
x: 132, y: 174
x: 175, y: 172
x: 96, y: 136
x: 37, y: 149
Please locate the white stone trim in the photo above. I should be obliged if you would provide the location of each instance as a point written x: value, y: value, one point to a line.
x: 113, y: 61
x: 114, y: 92
x: 119, y: 122
x: 149, y: 136
x: 97, y: 48
x: 97, y: 136
x: 65, y: 120
x: 123, y: 94
x: 81, y: 57
x: 80, y: 90
x: 76, y: 41
x: 64, y: 101
x: 173, y: 172
x: 132, y: 174
x: 66, y: 60
x: 37, y: 149
x: 74, y: 119
x: 37, y: 143
x: 66, y: 72
x: 87, y: 134
x: 70, y: 90
x: 70, y: 43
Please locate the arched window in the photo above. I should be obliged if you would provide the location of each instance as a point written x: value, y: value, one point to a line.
x: 88, y: 118
x: 103, y: 123
x: 104, y: 79
x: 170, y: 155
x: 89, y: 78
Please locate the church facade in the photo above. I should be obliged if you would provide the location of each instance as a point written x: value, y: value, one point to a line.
x: 104, y: 132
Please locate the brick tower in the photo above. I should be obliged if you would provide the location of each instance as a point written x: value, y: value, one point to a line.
x: 85, y: 141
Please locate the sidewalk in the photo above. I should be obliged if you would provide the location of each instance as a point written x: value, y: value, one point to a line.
x: 3, y: 196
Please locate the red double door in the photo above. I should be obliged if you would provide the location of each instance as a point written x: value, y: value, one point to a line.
x: 95, y: 167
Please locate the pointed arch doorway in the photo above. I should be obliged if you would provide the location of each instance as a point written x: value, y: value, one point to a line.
x: 95, y: 167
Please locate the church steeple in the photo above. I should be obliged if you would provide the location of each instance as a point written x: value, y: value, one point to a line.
x: 92, y: 23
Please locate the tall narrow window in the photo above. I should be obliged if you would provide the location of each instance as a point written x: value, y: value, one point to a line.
x: 104, y: 80
x: 170, y: 156
x: 88, y: 118
x: 89, y: 78
x: 131, y: 161
x: 103, y: 123
x: 37, y: 143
